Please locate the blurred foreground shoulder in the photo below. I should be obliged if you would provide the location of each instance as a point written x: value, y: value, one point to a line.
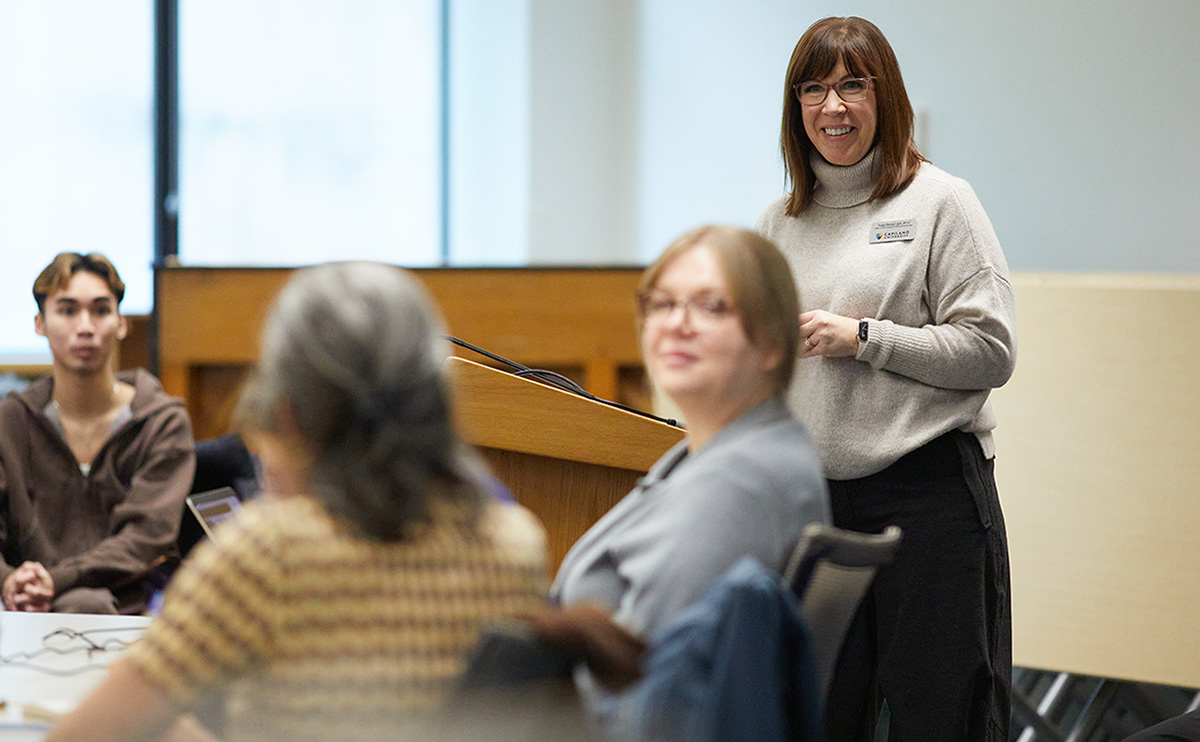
x: 514, y: 529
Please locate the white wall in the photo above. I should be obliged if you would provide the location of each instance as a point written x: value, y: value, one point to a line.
x: 75, y: 151
x: 489, y: 133
x: 543, y: 131
x: 309, y: 132
x: 1072, y: 121
x: 583, y: 60
x: 712, y: 82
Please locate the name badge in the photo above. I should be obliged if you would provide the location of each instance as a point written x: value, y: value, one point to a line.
x: 894, y: 231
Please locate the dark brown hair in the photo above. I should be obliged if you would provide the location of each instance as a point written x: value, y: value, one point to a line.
x: 761, y: 288
x: 57, y: 275
x: 862, y: 47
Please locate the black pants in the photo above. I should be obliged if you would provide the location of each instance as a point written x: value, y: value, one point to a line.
x: 934, y: 635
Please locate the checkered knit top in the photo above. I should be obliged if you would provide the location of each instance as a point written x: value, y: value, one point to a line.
x: 319, y: 634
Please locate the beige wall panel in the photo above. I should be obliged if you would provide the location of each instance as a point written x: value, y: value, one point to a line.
x: 1098, y: 464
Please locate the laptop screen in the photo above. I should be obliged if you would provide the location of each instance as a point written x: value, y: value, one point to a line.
x: 213, y: 506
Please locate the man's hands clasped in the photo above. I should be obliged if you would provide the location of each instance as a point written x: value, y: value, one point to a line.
x: 28, y: 588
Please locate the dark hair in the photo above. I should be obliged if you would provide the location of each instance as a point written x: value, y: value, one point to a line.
x: 354, y: 350
x: 760, y: 285
x: 57, y: 275
x: 862, y: 47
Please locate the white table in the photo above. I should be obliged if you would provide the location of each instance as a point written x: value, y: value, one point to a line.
x: 40, y: 675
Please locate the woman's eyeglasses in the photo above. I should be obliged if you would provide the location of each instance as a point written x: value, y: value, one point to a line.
x: 702, y: 309
x: 850, y: 90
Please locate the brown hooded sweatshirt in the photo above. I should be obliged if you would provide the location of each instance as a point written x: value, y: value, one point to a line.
x: 108, y: 526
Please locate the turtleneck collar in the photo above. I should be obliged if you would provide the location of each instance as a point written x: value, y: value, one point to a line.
x: 843, y: 186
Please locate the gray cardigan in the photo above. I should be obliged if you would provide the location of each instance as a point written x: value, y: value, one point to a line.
x: 749, y: 490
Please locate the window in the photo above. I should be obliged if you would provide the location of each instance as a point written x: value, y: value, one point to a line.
x: 75, y: 150
x: 310, y: 132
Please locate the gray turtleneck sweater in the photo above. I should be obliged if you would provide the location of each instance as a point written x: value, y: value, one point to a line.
x: 924, y: 268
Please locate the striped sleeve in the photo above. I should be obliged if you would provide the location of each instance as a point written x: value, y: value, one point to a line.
x: 219, y: 615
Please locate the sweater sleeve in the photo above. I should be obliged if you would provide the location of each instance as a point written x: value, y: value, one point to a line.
x: 219, y: 616
x: 145, y: 524
x: 971, y: 341
x: 5, y: 568
x: 9, y: 474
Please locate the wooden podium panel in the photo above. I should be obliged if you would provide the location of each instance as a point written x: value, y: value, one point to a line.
x: 567, y: 496
x: 566, y: 458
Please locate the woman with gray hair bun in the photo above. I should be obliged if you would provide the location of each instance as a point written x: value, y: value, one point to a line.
x: 346, y: 601
x: 352, y: 358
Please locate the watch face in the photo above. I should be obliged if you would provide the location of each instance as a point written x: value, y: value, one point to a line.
x: 862, y: 331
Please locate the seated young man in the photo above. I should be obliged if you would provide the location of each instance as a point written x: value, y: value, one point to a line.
x: 94, y: 465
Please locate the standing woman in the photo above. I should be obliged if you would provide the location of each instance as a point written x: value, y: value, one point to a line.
x: 909, y: 323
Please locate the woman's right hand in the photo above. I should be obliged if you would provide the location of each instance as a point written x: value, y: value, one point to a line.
x: 827, y: 334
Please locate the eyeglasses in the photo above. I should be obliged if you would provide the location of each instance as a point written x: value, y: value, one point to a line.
x: 813, y: 93
x: 65, y: 642
x: 703, y: 309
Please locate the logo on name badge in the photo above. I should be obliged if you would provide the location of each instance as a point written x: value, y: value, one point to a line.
x: 894, y: 231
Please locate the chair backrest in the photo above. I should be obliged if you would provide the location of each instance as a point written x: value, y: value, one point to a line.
x: 830, y: 572
x: 225, y: 462
x: 510, y: 652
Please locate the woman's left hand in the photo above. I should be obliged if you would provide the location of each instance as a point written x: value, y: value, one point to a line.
x: 826, y: 334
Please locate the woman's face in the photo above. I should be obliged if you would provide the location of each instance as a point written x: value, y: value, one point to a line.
x: 842, y: 132
x: 693, y: 343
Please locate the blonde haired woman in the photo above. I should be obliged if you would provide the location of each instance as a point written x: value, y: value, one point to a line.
x: 718, y: 333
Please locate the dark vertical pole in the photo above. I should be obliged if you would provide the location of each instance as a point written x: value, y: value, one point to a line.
x: 445, y: 132
x: 166, y: 151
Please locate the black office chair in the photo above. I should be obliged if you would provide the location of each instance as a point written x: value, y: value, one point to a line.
x: 830, y: 571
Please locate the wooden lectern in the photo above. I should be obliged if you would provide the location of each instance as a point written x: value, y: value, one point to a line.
x: 566, y: 458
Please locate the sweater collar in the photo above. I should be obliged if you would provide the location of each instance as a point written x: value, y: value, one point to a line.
x: 770, y: 410
x: 843, y: 186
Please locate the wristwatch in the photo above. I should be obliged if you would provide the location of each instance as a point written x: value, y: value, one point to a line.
x: 863, y: 329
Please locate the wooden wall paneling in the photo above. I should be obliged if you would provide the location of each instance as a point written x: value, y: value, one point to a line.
x: 213, y: 392
x: 564, y: 318
x: 134, y: 350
